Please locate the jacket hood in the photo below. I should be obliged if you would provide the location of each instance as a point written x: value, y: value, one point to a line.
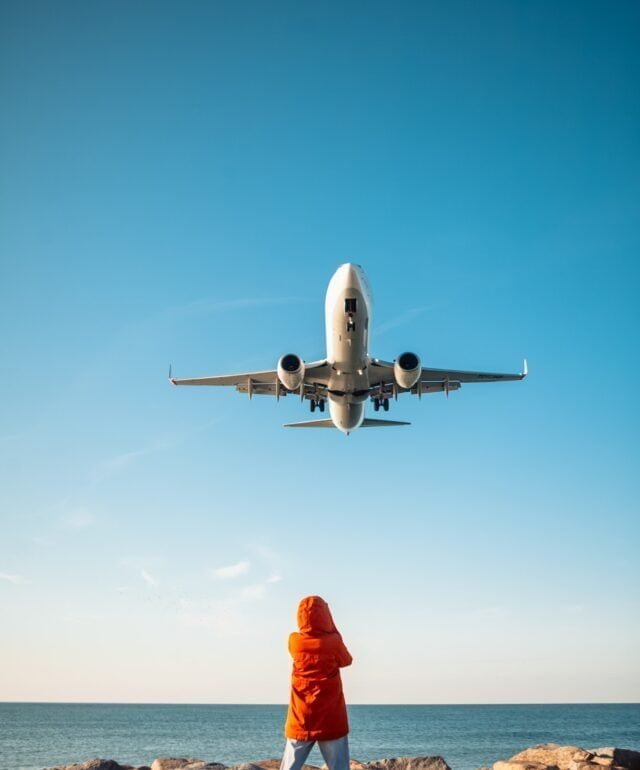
x: 314, y: 617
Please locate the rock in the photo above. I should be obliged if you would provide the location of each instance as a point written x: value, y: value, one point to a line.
x: 582, y: 756
x: 522, y: 764
x: 184, y: 763
x: 199, y: 764
x: 354, y: 764
x: 266, y: 764
x: 623, y: 757
x: 548, y: 754
x: 407, y: 763
x: 245, y: 766
x: 573, y: 765
x: 95, y: 764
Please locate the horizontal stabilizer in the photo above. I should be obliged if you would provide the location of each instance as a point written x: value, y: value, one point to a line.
x: 329, y: 424
x: 310, y: 424
x: 381, y: 423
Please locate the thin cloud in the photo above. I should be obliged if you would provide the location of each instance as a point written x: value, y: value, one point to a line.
x: 77, y: 518
x: 207, y: 306
x: 253, y: 592
x: 231, y: 571
x: 10, y: 577
x: 400, y: 320
x: 125, y: 459
x: 148, y: 578
x: 275, y: 577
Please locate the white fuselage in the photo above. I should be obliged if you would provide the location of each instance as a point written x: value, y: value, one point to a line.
x: 348, y: 320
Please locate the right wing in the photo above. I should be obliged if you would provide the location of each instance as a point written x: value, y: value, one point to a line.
x: 433, y: 380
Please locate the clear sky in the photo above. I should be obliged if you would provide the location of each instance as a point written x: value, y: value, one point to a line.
x: 179, y: 182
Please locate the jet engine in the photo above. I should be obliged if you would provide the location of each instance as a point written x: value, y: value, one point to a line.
x: 291, y: 371
x: 406, y: 370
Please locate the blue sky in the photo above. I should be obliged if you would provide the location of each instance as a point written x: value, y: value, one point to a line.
x: 179, y: 183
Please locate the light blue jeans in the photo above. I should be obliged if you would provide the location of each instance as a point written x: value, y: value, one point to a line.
x: 335, y: 753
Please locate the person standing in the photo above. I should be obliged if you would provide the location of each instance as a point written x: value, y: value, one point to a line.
x: 317, y: 710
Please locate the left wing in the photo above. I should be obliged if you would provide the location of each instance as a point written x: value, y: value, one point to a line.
x: 265, y: 383
x: 228, y: 379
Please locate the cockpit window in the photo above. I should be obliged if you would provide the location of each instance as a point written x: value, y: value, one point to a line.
x: 350, y: 305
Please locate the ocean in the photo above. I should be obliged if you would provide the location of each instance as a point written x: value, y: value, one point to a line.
x: 38, y: 735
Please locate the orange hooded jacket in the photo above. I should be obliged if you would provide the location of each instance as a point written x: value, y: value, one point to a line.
x: 317, y: 711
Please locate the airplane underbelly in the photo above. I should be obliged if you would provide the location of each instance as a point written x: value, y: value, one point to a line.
x: 346, y: 416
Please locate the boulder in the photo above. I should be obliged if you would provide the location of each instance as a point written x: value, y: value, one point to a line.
x: 522, y: 764
x: 266, y: 764
x: 549, y: 754
x: 95, y: 764
x: 622, y: 757
x: 184, y: 763
x: 199, y: 764
x: 246, y: 766
x: 406, y: 763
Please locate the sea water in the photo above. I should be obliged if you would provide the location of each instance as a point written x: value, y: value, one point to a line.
x: 34, y: 735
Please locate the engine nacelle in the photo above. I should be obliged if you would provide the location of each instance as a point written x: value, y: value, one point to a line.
x: 406, y: 370
x: 291, y: 371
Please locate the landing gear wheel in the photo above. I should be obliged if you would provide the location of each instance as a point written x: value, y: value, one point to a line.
x: 321, y: 405
x: 312, y: 405
x: 376, y: 404
x: 385, y: 404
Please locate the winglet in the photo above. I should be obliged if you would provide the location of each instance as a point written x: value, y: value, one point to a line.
x: 171, y: 380
x: 525, y: 369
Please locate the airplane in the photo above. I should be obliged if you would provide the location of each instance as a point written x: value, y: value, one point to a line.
x: 348, y: 377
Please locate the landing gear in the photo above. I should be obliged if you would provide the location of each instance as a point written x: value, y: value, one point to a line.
x: 319, y: 403
x: 312, y: 405
x: 385, y: 404
x: 376, y: 404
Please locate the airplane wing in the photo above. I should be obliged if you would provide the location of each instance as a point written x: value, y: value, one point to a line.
x: 434, y: 380
x: 228, y: 379
x: 264, y: 383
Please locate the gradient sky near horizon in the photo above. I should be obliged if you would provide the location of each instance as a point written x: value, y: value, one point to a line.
x: 179, y: 182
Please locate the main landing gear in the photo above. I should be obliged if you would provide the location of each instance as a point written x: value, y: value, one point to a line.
x: 319, y: 403
x: 380, y: 401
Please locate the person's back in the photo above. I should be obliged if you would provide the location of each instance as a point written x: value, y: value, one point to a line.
x: 317, y: 710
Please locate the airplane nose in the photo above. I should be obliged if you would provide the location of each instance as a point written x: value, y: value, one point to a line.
x: 351, y: 274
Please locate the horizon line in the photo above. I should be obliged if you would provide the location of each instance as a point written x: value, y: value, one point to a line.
x: 285, y: 704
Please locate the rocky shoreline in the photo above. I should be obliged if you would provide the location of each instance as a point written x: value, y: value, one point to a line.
x: 547, y: 756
